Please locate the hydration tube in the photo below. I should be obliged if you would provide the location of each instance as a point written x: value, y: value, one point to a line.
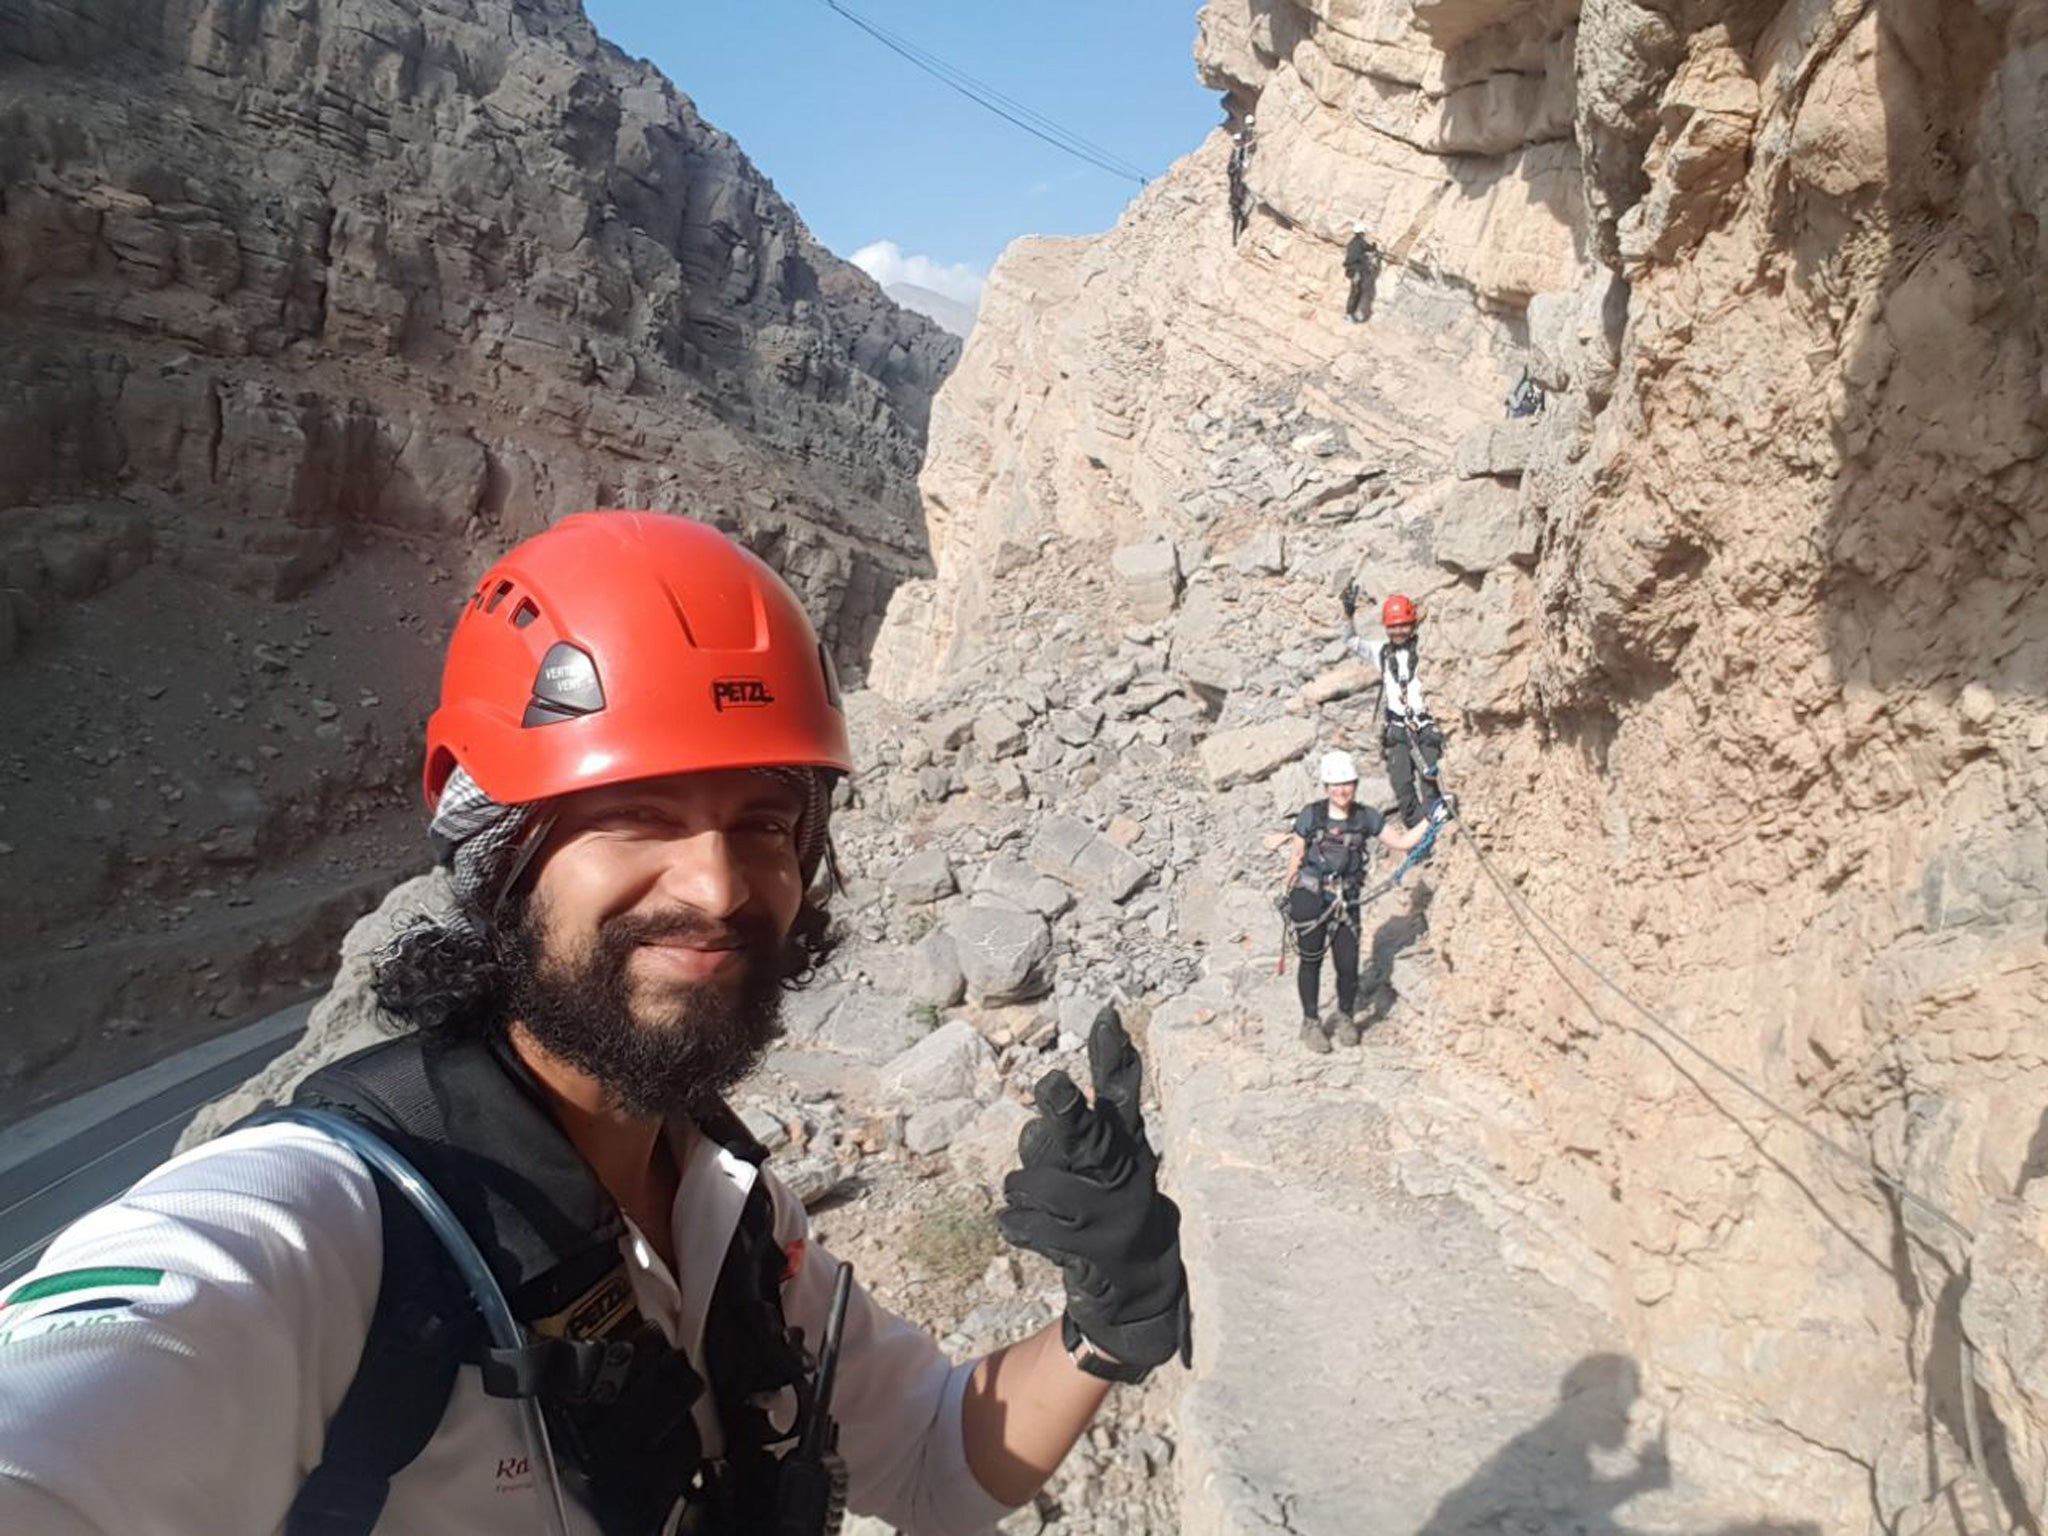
x: 483, y: 1286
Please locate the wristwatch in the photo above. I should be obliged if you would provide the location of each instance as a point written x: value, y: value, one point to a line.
x: 1104, y: 1367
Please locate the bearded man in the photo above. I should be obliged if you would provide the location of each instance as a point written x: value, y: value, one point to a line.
x: 520, y: 1267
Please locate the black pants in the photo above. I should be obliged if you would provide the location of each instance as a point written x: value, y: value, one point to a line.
x: 1358, y: 305
x: 1338, y: 938
x: 1401, y: 766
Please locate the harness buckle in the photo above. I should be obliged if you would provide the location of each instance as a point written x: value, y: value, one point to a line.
x: 561, y: 1370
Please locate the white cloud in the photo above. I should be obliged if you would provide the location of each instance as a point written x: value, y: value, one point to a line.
x: 888, y: 264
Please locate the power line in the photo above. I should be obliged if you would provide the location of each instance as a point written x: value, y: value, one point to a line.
x: 924, y: 57
x: 986, y: 96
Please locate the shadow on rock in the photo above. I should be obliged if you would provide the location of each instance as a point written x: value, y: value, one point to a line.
x: 1389, y: 941
x: 1544, y: 1481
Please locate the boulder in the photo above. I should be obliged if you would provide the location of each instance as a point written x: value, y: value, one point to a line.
x: 872, y: 1026
x: 1003, y: 954
x: 1496, y: 448
x: 997, y: 734
x: 1209, y: 668
x: 945, y: 1064
x: 1075, y: 855
x: 1013, y: 883
x: 1482, y: 525
x: 987, y: 1147
x: 933, y: 1127
x: 950, y: 731
x: 1252, y: 752
x: 1348, y: 677
x: 1263, y: 554
x: 765, y: 1126
x: 813, y: 1178
x: 1149, y: 575
x: 1076, y: 727
x: 933, y: 977
x: 924, y: 877
x: 1294, y: 786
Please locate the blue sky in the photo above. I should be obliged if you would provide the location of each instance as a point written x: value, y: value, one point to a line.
x: 870, y: 150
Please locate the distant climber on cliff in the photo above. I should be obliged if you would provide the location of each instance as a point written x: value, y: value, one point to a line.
x: 1409, y: 738
x: 1242, y: 144
x: 291, y: 1330
x: 1362, y: 266
x: 1526, y: 398
x: 1321, y: 893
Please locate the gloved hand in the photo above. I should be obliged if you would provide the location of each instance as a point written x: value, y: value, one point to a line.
x: 1444, y: 809
x: 1088, y: 1198
x: 1349, y: 598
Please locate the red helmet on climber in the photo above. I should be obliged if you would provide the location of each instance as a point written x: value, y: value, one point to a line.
x: 1397, y: 610
x: 628, y: 645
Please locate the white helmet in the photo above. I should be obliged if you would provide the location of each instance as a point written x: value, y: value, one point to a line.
x: 1337, y: 768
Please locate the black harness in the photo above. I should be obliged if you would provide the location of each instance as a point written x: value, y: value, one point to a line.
x: 1335, y: 857
x: 1397, y: 671
x: 616, y: 1396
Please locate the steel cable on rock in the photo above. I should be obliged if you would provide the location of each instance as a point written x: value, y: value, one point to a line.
x: 1967, y: 1353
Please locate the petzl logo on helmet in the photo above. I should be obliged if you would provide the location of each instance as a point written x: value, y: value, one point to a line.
x: 739, y: 693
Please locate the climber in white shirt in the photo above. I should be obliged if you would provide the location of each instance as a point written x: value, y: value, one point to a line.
x: 1409, y: 738
x: 276, y: 1335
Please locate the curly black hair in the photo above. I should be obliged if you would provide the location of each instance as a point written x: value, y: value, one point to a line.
x: 437, y: 975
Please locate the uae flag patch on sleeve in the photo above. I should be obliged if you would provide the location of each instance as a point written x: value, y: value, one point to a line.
x: 76, y: 1298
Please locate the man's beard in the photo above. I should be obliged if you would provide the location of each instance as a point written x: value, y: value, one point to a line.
x: 674, y: 1055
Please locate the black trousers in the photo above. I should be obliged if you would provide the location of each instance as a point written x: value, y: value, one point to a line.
x: 1337, y: 938
x: 1402, y: 766
x: 1358, y: 304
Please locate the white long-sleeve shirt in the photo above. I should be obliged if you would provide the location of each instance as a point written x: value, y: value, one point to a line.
x: 1400, y: 675
x: 170, y: 1366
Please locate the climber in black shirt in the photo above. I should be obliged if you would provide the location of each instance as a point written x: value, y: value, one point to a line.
x: 1362, y: 266
x: 1241, y: 146
x: 1325, y: 877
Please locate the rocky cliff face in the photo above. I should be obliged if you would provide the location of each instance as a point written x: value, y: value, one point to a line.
x: 1743, y: 641
x: 304, y: 311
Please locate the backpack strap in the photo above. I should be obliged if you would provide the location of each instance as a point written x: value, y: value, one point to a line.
x: 419, y: 1332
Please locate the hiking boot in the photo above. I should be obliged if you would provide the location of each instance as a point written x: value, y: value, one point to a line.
x: 1313, y: 1037
x: 1347, y: 1032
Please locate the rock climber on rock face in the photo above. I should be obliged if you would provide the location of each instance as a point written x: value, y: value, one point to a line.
x: 1409, y: 737
x: 1362, y: 267
x: 1326, y: 863
x: 1242, y: 143
x: 631, y: 772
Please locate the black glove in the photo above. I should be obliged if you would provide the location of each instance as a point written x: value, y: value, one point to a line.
x: 1350, y: 598
x: 1445, y: 808
x: 1088, y: 1198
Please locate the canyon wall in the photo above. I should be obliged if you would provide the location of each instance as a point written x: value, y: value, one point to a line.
x: 305, y: 311
x: 1742, y: 641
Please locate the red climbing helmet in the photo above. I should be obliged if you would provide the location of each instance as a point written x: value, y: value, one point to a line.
x: 1397, y: 610
x: 627, y: 645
